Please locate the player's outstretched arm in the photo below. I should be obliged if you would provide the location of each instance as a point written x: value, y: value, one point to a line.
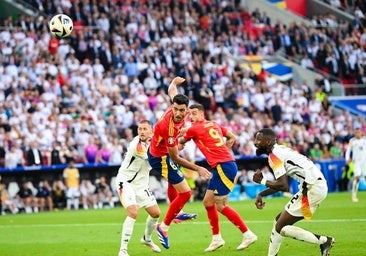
x: 172, y: 89
x: 174, y: 155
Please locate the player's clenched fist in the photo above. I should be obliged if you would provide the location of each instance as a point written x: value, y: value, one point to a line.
x: 178, y: 80
x: 257, y: 176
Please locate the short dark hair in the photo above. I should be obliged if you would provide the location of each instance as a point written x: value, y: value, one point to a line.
x: 197, y: 106
x: 181, y: 99
x: 268, y: 132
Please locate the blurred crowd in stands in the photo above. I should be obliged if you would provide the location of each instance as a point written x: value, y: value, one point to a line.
x: 47, y: 195
x: 81, y: 97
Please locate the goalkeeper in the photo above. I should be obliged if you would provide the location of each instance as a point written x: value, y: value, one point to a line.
x: 284, y: 162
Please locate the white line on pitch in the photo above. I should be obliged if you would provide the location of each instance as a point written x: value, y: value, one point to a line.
x: 142, y: 223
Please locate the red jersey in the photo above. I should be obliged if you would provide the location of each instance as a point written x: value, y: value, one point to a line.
x: 53, y: 45
x: 165, y: 134
x: 209, y: 138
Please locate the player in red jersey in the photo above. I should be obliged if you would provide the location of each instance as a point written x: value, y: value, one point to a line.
x: 163, y: 155
x: 215, y: 142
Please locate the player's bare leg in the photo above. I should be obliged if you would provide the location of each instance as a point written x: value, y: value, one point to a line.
x: 355, y: 185
x: 184, y: 194
x: 284, y: 227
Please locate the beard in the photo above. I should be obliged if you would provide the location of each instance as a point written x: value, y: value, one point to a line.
x: 260, y: 151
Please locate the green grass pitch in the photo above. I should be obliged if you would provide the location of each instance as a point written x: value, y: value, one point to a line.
x: 97, y: 232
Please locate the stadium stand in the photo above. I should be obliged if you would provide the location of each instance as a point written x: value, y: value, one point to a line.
x: 113, y: 71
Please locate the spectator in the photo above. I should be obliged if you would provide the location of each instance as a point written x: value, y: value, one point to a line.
x: 27, y: 197
x: 14, y: 157
x: 116, y: 152
x: 131, y: 70
x: 34, y: 155
x: 90, y: 151
x: 103, y: 192
x: 316, y: 153
x: 55, y: 156
x: 88, y: 198
x: 206, y: 96
x: 2, y: 156
x: 44, y: 196
x: 336, y: 150
x: 347, y: 173
x: 104, y: 153
x: 326, y: 152
x: 276, y: 110
x: 242, y: 180
x: 58, y: 194
x: 69, y: 151
x: 306, y: 62
x: 7, y: 203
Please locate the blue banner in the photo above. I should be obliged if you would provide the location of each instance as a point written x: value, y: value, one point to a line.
x: 354, y: 104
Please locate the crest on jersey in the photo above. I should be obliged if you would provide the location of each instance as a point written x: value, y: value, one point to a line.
x: 171, y: 140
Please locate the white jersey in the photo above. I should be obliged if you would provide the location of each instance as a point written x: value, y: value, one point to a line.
x: 286, y: 161
x: 132, y: 180
x: 135, y: 167
x: 358, y: 149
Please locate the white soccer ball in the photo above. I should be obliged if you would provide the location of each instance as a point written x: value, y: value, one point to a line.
x: 61, y: 25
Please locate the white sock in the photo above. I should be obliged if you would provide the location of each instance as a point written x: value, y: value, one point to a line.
x: 248, y: 233
x: 302, y: 235
x: 355, y: 187
x: 164, y: 226
x: 76, y: 203
x: 274, y: 243
x: 127, y: 229
x: 217, y: 237
x: 69, y: 203
x: 28, y: 209
x: 150, y: 227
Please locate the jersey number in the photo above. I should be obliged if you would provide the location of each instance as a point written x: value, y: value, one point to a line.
x: 294, y: 198
x: 215, y: 135
x: 173, y: 165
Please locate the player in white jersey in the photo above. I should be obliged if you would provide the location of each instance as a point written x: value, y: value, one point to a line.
x: 357, y: 146
x: 133, y: 188
x: 285, y: 162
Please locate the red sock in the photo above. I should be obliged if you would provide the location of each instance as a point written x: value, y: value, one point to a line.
x: 235, y: 218
x: 176, y: 205
x: 213, y: 218
x: 172, y: 192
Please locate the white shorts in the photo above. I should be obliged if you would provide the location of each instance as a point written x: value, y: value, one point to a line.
x: 359, y: 168
x: 72, y: 193
x: 132, y: 195
x: 316, y: 194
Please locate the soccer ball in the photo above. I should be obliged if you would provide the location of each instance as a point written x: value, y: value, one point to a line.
x: 61, y: 25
